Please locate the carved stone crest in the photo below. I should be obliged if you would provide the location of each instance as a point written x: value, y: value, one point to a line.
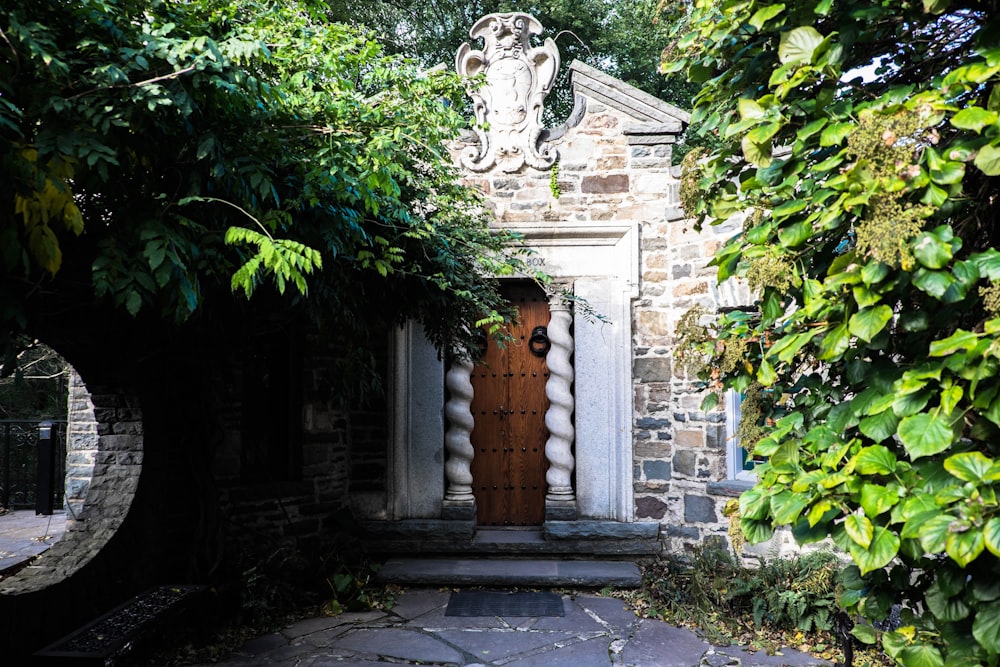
x: 508, y: 107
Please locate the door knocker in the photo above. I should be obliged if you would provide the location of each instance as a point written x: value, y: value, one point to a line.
x: 539, y: 342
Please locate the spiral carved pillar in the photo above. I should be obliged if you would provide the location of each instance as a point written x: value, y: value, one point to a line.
x: 457, y: 439
x: 560, y: 500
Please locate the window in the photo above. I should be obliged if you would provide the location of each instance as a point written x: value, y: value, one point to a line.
x: 738, y: 461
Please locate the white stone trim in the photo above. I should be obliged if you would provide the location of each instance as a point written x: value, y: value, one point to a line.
x: 457, y: 440
x: 559, y: 391
x: 603, y: 394
x: 415, y: 482
x: 734, y: 454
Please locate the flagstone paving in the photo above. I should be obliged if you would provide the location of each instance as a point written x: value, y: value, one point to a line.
x: 24, y: 535
x: 594, y: 632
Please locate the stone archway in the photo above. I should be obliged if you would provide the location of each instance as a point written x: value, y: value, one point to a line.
x: 114, y: 417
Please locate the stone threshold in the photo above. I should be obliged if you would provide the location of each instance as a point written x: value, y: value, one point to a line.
x: 578, y: 539
x: 542, y: 573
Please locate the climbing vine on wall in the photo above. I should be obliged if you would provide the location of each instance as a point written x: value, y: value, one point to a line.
x: 860, y: 142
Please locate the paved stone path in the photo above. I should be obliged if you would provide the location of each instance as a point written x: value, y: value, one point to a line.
x: 23, y: 534
x: 594, y: 632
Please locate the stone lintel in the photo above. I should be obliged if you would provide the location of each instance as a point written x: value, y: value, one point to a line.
x: 605, y: 530
x: 730, y: 487
x: 674, y: 127
x: 650, y: 139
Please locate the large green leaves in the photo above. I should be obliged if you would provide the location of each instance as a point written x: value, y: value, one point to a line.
x: 925, y: 434
x: 869, y: 322
x: 880, y: 285
x: 798, y: 46
x: 327, y: 159
x: 882, y: 548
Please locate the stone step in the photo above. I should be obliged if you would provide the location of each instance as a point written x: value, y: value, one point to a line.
x: 555, y: 539
x: 510, y: 572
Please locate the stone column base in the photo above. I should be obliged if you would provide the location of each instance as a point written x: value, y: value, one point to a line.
x: 458, y: 510
x: 560, y: 510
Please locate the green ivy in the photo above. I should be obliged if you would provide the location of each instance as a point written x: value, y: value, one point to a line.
x: 860, y: 145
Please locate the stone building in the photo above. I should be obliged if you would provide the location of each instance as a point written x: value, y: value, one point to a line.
x: 580, y: 437
x: 630, y: 461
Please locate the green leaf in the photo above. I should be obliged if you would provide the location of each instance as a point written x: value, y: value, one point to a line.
x: 795, y: 235
x: 946, y: 607
x: 133, y: 302
x: 883, y: 548
x: 921, y: 655
x: 924, y: 434
x: 875, y: 460
x: 880, y: 426
x: 934, y: 532
x: 834, y: 343
x: 874, y: 272
x: 754, y: 504
x: 765, y: 374
x: 798, y: 46
x: 786, y: 507
x: 911, y: 403
x: 969, y: 466
x: 988, y: 160
x: 991, y: 535
x: 973, y: 118
x: 986, y: 626
x: 765, y: 14
x: 960, y: 340
x: 864, y: 633
x: 876, y: 499
x: 749, y: 109
x: 869, y: 322
x: 931, y: 252
x: 835, y: 133
x: 757, y: 154
x: 964, y: 547
x: 755, y: 530
x: 860, y: 529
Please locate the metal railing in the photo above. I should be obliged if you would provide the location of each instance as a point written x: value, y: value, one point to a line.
x: 19, y: 463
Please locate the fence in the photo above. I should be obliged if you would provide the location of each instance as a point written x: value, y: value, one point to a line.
x: 19, y: 469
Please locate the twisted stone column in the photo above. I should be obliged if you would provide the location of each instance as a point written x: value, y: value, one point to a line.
x: 559, y: 417
x: 457, y: 440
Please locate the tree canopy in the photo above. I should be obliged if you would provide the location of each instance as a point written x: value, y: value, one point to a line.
x: 158, y: 156
x: 622, y: 38
x: 860, y: 145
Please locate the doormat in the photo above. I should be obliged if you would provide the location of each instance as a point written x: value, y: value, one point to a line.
x: 493, y: 603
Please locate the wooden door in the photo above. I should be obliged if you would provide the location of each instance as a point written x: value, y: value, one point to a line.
x: 509, y: 404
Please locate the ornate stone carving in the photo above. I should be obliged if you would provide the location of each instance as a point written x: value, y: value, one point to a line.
x: 457, y: 439
x: 559, y: 389
x: 508, y: 107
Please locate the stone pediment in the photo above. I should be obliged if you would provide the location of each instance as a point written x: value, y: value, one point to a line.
x: 653, y: 120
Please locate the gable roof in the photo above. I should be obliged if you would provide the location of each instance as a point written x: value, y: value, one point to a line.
x: 646, y: 109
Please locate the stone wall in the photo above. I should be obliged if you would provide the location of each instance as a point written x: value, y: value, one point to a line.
x: 81, y: 445
x: 680, y: 451
x: 332, y: 451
